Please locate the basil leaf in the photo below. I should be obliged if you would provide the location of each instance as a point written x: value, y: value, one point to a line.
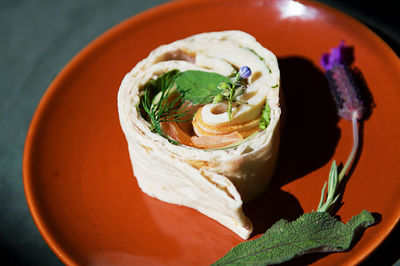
x: 199, y: 87
x: 311, y: 232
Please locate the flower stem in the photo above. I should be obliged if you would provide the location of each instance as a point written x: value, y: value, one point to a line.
x: 326, y: 202
x: 353, y: 150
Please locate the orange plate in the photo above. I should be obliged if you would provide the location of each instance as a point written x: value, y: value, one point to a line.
x: 77, y: 174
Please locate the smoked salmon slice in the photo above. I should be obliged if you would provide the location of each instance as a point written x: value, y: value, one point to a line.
x: 216, y: 141
x: 176, y: 133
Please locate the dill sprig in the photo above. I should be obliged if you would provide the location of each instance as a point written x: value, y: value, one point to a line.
x: 167, y: 105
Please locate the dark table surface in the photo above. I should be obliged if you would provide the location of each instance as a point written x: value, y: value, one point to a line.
x: 38, y: 38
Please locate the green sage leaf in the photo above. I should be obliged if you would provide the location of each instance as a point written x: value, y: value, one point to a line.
x: 311, y: 232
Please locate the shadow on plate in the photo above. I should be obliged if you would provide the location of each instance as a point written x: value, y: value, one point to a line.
x: 309, y: 135
x: 308, y: 141
x: 309, y: 120
x: 263, y: 214
x: 386, y: 253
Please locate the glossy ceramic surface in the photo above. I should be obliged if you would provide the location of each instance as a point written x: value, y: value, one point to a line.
x: 77, y: 174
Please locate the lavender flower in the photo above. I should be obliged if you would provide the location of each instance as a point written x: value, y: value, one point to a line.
x: 353, y: 103
x: 244, y: 72
x: 342, y: 81
x: 339, y: 55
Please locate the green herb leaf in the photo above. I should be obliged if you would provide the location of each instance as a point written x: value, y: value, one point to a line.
x: 265, y: 116
x: 311, y: 232
x: 156, y: 103
x: 325, y: 204
x: 163, y: 83
x: 199, y: 87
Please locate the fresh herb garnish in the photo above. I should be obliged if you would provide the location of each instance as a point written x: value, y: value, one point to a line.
x: 327, y: 202
x: 163, y: 103
x: 351, y: 105
x: 311, y: 232
x: 232, y: 89
x: 265, y: 116
x: 163, y: 106
x: 199, y: 87
x: 316, y: 231
x: 167, y: 97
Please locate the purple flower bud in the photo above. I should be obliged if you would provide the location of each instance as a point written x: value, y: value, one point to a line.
x: 244, y: 72
x: 342, y: 82
x: 341, y: 55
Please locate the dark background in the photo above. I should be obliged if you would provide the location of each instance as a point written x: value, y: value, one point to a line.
x: 38, y: 38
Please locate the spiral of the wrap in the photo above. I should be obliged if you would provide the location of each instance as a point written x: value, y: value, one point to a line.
x: 215, y: 181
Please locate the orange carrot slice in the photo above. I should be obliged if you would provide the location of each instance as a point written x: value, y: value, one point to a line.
x: 216, y: 141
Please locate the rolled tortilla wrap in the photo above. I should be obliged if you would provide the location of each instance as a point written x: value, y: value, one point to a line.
x: 215, y: 182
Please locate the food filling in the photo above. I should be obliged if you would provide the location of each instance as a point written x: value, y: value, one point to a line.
x: 205, y: 109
